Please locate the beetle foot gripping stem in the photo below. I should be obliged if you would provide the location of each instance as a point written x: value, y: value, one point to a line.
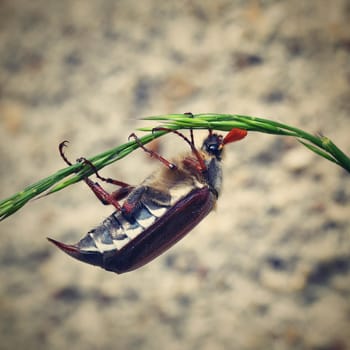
x: 93, y: 258
x: 153, y: 153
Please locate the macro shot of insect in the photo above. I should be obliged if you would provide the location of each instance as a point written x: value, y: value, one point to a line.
x: 153, y: 216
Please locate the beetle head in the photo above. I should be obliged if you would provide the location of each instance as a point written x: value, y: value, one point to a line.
x: 214, y: 143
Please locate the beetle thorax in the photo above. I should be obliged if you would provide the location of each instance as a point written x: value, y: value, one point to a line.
x: 214, y: 175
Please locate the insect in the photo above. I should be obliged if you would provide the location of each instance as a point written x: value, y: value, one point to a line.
x: 157, y: 213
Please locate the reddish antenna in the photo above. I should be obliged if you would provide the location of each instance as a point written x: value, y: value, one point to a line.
x: 235, y: 135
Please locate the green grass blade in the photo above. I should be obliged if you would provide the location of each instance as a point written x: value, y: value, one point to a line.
x: 318, y: 151
x: 63, y: 178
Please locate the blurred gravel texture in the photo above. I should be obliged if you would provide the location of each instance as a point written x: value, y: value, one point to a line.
x: 270, y: 269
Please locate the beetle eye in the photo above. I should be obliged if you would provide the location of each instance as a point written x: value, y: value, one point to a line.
x: 213, y: 145
x: 212, y: 148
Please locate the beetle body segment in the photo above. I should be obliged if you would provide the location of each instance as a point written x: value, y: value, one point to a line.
x: 146, y: 246
x: 157, y: 213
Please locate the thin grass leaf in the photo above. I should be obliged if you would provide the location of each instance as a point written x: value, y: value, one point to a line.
x: 322, y: 146
x: 338, y: 154
x: 319, y: 152
x: 70, y: 175
x: 63, y: 178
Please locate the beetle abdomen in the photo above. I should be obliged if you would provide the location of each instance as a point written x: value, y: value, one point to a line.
x: 111, y: 246
x: 169, y: 229
x: 114, y: 233
x: 118, y: 230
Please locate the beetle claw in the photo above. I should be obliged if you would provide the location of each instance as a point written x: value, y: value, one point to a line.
x: 90, y: 257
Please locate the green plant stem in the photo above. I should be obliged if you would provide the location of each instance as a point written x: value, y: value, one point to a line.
x: 69, y: 175
x: 320, y: 145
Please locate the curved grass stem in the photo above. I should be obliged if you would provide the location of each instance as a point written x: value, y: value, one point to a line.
x: 63, y: 178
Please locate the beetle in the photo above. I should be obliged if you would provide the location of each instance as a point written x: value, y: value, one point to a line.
x: 157, y: 213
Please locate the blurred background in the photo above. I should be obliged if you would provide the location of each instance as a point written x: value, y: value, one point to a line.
x: 270, y: 268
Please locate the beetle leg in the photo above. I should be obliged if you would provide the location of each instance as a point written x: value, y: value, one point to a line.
x: 192, y: 163
x: 86, y: 161
x: 152, y: 153
x: 202, y: 166
x: 190, y: 114
x: 60, y: 148
x: 104, y: 197
x: 146, y: 195
x: 105, y: 179
x: 132, y: 202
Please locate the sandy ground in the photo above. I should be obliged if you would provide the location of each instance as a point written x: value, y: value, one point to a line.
x: 270, y: 269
